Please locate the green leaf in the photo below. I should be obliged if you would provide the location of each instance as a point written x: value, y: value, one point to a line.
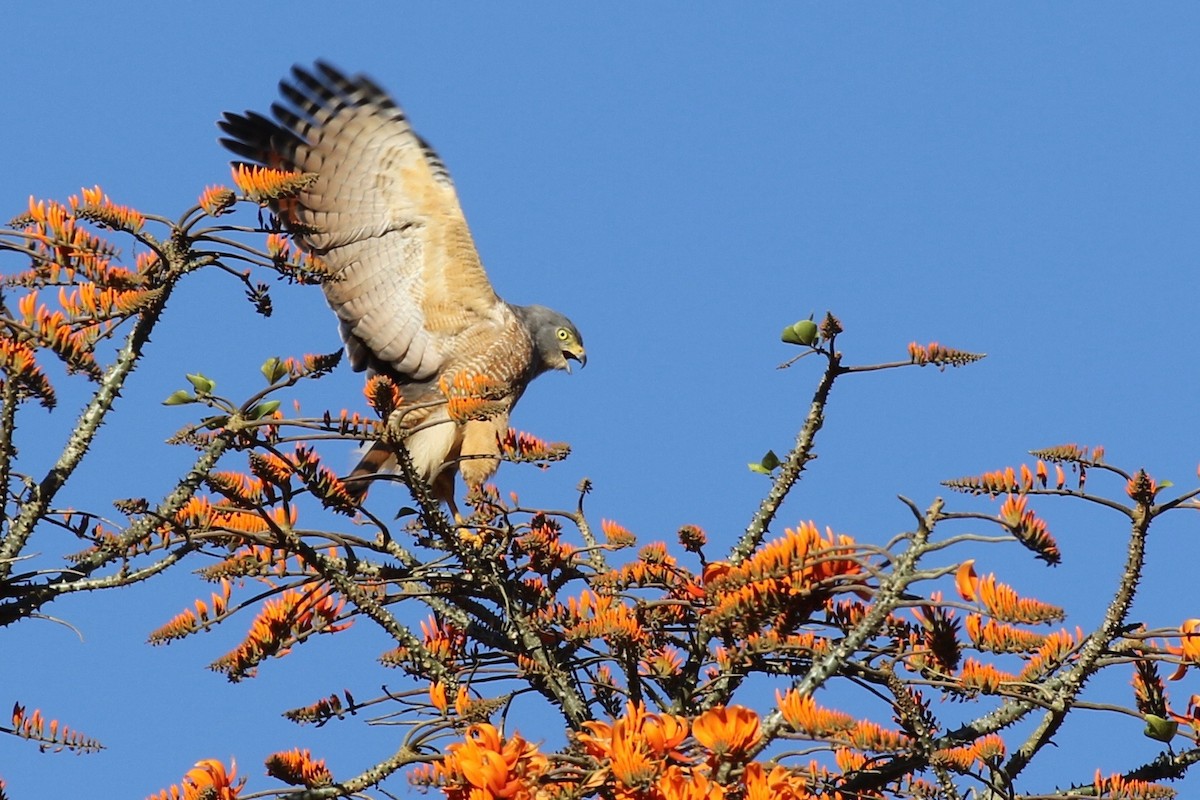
x: 769, y: 462
x: 201, y: 384
x: 179, y: 398
x: 263, y: 409
x: 273, y: 370
x: 406, y: 511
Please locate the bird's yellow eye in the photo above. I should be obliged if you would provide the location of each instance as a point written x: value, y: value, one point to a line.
x: 564, y: 334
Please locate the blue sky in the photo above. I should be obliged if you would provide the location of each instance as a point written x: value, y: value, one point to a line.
x: 1021, y: 181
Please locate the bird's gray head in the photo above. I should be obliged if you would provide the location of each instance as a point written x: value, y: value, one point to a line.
x: 556, y: 341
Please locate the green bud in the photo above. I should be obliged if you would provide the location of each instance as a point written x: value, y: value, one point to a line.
x: 803, y: 333
x: 201, y: 384
x: 179, y: 398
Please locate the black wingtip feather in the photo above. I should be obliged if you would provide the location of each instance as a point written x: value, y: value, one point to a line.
x: 308, y: 93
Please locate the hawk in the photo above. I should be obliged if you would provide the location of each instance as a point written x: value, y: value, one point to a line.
x: 409, y: 290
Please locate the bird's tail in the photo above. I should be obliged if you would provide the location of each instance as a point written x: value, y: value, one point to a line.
x: 378, y: 458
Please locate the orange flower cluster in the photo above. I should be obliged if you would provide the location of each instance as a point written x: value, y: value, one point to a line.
x: 291, y: 262
x: 298, y: 768
x: 998, y: 637
x: 1148, y: 690
x: 1002, y: 601
x: 324, y: 709
x: 200, y: 514
x: 486, y: 766
x: 1141, y: 488
x: 617, y: 534
x: 208, y: 780
x: 217, y: 200
x: 1028, y: 529
x: 256, y: 561
x: 245, y: 490
x: 52, y: 735
x: 1057, y: 648
x: 61, y: 249
x: 271, y: 470
x: 312, y: 365
x: 323, y: 482
x: 383, y: 395
x: 1073, y: 454
x: 68, y: 339
x: 96, y: 207
x: 263, y: 185
x: 592, y: 616
x: 781, y: 583
x: 189, y: 621
x: 19, y: 364
x: 1130, y: 788
x: 933, y: 353
x: 283, y: 621
x: 979, y: 754
x: 472, y: 395
x: 643, y: 756
x: 524, y: 448
x: 638, y: 747
x: 544, y: 547
x: 979, y: 677
x: 654, y: 568
x: 802, y: 713
x: 354, y: 423
x: 91, y: 302
x: 443, y: 640
x: 804, y: 716
x: 662, y: 663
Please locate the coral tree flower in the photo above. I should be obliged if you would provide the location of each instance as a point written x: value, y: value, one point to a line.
x: 728, y: 731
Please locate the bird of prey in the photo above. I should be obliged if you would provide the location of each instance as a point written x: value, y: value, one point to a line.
x: 409, y: 290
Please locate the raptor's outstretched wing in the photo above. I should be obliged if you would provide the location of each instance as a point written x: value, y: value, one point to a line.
x: 410, y: 292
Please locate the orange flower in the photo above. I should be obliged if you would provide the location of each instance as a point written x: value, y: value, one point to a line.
x: 664, y: 732
x: 263, y: 184
x: 966, y: 581
x: 205, y: 781
x: 637, y: 745
x: 462, y: 701
x: 617, y: 534
x: 437, y: 696
x: 778, y: 784
x: 298, y: 768
x: 487, y: 766
x: 727, y: 730
x: 1189, y: 647
x: 632, y: 763
x: 804, y: 715
x: 677, y: 783
x: 217, y: 200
